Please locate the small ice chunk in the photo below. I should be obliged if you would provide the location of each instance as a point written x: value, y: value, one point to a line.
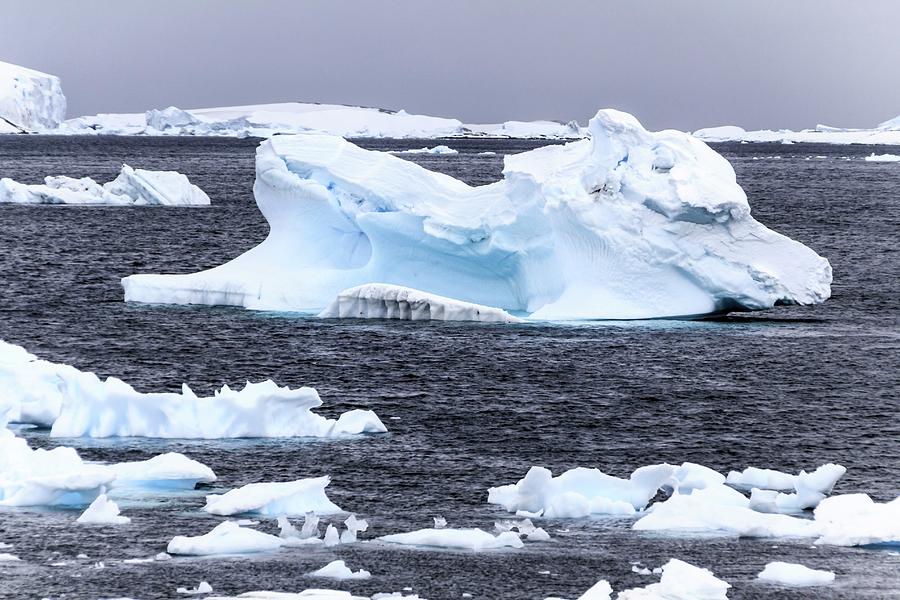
x: 641, y: 570
x: 538, y: 534
x: 339, y: 570
x: 102, y: 511
x: 795, y: 574
x: 310, y: 527
x: 681, y: 581
x: 168, y: 471
x: 6, y: 557
x: 440, y: 522
x: 286, y: 530
x: 332, y: 538
x: 599, y: 591
x: 354, y: 525
x: 203, y: 588
x: 138, y: 561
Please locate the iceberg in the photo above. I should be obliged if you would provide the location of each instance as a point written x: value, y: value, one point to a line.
x: 455, y: 539
x: 102, y: 511
x: 287, y: 498
x: 628, y: 224
x: 79, y: 404
x: 795, y: 575
x: 599, y: 591
x: 383, y: 301
x: 132, y: 187
x: 435, y: 150
x: 226, y: 538
x: 265, y: 120
x: 30, y: 101
x: 681, y: 581
x: 882, y: 157
x: 202, y: 588
x: 887, y: 133
x: 857, y: 520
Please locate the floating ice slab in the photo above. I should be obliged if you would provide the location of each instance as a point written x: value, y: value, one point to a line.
x: 29, y: 100
x: 857, y: 520
x: 627, y: 224
x: 456, y: 539
x: 131, y: 187
x: 339, y: 570
x: 580, y: 492
x: 681, y: 581
x: 102, y: 511
x: 599, y: 591
x: 171, y: 471
x: 202, y: 588
x: 285, y: 498
x: 225, y: 538
x: 795, y: 575
x: 312, y: 594
x: 809, y: 488
x: 434, y: 150
x: 882, y: 158
x: 383, y: 301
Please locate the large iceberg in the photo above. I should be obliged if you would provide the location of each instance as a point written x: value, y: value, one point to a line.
x: 131, y: 187
x: 79, y: 404
x: 265, y: 120
x: 627, y: 224
x: 30, y: 101
x: 887, y: 133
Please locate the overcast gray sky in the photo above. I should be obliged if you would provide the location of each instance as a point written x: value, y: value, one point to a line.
x: 683, y: 64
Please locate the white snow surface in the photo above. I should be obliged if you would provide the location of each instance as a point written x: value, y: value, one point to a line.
x: 102, y: 511
x: 79, y: 404
x: 285, y: 498
x: 264, y: 120
x: 793, y: 574
x: 339, y: 570
x: 30, y: 101
x: 627, y: 224
x: 456, y: 539
x: 226, y: 538
x: 384, y: 301
x: 130, y: 187
x: 681, y: 581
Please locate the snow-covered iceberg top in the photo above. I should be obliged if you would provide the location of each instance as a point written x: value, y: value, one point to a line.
x: 384, y: 301
x: 627, y: 224
x: 265, y: 120
x: 887, y: 133
x: 79, y: 404
x: 30, y: 101
x: 131, y: 187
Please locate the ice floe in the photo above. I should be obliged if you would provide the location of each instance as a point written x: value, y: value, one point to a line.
x: 793, y: 574
x: 455, y: 539
x: 282, y: 498
x: 30, y: 101
x: 383, y: 301
x: 131, y: 187
x: 882, y: 158
x: 7, y: 557
x: 169, y: 471
x: 857, y: 520
x: 339, y: 570
x: 226, y: 538
x: 79, y: 404
x: 102, y: 511
x: 627, y: 224
x: 202, y: 588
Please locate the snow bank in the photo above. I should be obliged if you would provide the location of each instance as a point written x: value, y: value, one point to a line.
x: 29, y: 100
x: 628, y: 224
x: 264, y: 120
x: 275, y: 499
x: 681, y: 581
x: 131, y: 187
x: 383, y: 301
x: 102, y: 511
x: 882, y: 158
x: 795, y: 575
x: 456, y: 539
x: 80, y: 404
x: 225, y: 538
x: 339, y: 570
x: 169, y: 471
x: 435, y: 150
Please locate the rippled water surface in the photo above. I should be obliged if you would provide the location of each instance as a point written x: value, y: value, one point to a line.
x: 468, y: 406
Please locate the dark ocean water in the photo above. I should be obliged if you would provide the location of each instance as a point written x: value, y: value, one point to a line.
x: 468, y: 406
